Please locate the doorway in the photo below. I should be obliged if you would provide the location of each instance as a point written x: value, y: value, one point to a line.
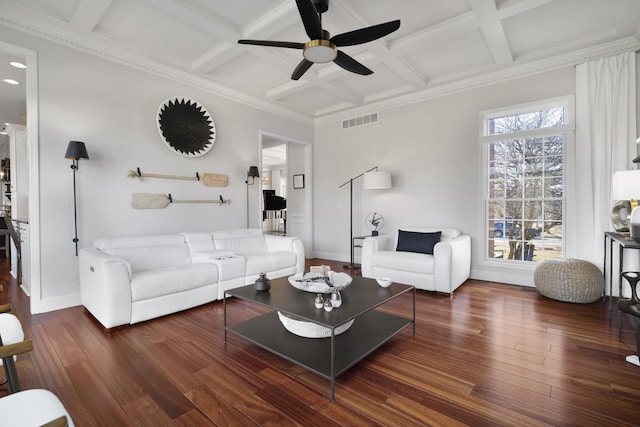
x: 274, y: 187
x: 23, y: 110
x: 281, y: 159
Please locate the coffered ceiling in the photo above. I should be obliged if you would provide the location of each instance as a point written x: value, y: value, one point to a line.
x: 441, y: 46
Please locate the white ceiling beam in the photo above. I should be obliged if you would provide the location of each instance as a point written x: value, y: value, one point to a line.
x: 272, y: 22
x: 275, y: 20
x: 89, y: 13
x: 334, y: 108
x: 436, y: 33
x: 215, y: 56
x: 342, y: 93
x: 515, y: 7
x: 568, y: 45
x: 205, y: 21
x: 292, y: 86
x: 406, y: 73
x: 491, y: 27
x: 397, y: 91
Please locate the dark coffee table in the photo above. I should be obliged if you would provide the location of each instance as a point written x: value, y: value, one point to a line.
x: 326, y: 357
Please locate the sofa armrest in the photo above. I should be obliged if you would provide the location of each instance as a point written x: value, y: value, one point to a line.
x: 452, y: 263
x: 372, y: 244
x: 105, y: 287
x: 290, y: 244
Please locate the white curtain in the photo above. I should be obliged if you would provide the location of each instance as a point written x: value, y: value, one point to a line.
x: 605, y: 143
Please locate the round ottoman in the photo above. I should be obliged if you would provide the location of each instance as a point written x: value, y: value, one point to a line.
x: 570, y: 280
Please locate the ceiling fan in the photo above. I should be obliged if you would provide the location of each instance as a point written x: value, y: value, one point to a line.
x: 322, y: 47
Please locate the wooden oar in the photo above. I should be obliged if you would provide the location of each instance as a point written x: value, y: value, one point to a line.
x: 208, y: 179
x: 161, y: 201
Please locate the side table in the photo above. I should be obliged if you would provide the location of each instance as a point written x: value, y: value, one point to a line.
x: 624, y: 241
x: 356, y: 242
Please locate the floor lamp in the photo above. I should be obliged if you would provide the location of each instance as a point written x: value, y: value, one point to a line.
x: 76, y: 150
x: 373, y: 180
x: 253, y: 174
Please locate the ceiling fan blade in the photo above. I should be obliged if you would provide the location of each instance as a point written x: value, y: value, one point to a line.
x: 350, y: 64
x: 290, y: 45
x: 365, y: 35
x: 310, y: 19
x: 302, y: 68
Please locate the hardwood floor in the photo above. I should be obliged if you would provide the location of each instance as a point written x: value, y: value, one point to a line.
x: 493, y: 355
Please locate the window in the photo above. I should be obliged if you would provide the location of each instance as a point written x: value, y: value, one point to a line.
x: 525, y: 182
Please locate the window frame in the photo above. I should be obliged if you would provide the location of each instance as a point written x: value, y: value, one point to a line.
x: 567, y: 130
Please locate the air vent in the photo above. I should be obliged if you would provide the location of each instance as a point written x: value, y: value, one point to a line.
x: 360, y: 121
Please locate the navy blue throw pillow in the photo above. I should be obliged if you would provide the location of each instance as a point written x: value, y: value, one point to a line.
x: 413, y: 241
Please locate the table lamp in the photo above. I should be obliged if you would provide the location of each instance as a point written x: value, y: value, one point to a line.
x: 626, y: 186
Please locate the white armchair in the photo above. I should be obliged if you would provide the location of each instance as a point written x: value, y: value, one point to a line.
x: 443, y: 270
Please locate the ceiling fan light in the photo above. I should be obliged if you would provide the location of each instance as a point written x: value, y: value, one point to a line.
x: 320, y: 51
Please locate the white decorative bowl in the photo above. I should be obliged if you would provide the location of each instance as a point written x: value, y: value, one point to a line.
x: 313, y: 282
x: 309, y: 329
x: 385, y: 282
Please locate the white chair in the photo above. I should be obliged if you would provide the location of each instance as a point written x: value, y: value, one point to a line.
x: 32, y: 408
x: 12, y: 343
x: 429, y: 258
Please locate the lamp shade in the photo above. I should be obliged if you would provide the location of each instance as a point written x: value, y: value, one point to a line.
x: 626, y: 185
x: 375, y: 180
x: 76, y: 150
x: 253, y: 172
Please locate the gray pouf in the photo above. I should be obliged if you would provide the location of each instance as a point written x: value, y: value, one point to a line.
x: 570, y: 280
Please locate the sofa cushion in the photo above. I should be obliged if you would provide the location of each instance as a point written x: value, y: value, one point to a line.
x: 199, y: 242
x: 269, y: 261
x: 405, y: 261
x: 147, y: 252
x: 448, y: 234
x: 240, y: 241
x: 411, y: 241
x: 170, y: 280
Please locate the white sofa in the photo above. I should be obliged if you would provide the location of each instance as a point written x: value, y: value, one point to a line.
x: 125, y: 280
x: 444, y: 270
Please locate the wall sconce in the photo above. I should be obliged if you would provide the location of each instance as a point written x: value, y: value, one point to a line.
x: 76, y: 150
x: 373, y: 180
x: 251, y: 174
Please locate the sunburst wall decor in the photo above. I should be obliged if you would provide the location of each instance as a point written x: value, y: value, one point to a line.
x: 186, y: 127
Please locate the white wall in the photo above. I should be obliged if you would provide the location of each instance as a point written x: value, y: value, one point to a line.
x: 297, y: 215
x: 432, y: 152
x: 112, y: 108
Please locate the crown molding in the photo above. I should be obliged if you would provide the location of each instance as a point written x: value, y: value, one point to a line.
x: 628, y: 44
x: 93, y: 45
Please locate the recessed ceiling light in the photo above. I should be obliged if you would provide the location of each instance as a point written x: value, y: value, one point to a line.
x: 17, y: 64
x: 11, y: 81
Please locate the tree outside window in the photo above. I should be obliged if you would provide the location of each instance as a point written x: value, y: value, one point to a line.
x: 526, y: 185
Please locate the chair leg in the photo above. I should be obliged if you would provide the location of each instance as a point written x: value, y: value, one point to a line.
x: 633, y: 278
x: 11, y: 374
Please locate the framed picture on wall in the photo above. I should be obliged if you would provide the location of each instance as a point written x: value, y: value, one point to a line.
x: 298, y: 181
